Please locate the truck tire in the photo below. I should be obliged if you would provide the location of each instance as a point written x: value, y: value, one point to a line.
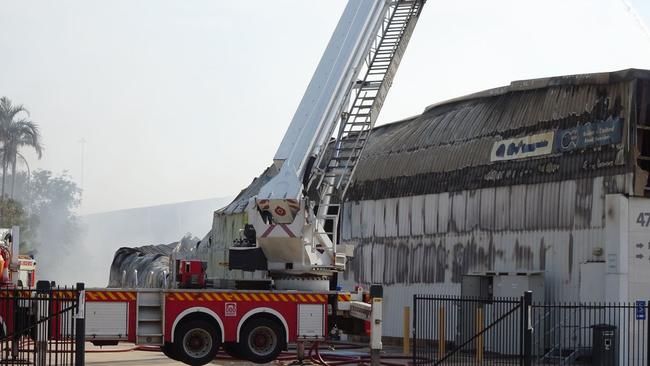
x: 262, y: 340
x: 233, y: 350
x: 168, y: 350
x: 196, y: 342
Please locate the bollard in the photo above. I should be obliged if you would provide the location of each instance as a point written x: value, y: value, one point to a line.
x: 479, y: 339
x: 406, y: 349
x: 377, y: 294
x: 442, y: 341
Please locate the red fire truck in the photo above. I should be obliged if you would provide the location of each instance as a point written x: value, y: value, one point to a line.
x: 291, y: 226
x: 191, y: 325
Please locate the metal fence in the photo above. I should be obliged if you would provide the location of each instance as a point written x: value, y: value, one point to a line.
x: 592, y: 333
x: 474, y: 331
x: 40, y: 326
x: 465, y: 330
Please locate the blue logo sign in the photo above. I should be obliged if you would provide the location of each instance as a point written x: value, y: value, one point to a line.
x: 640, y: 310
x: 596, y: 133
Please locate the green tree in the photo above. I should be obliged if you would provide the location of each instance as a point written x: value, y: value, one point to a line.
x: 16, y: 132
x: 14, y: 215
x: 50, y: 202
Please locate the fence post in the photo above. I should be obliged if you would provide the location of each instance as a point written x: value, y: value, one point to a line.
x: 527, y: 328
x: 415, y: 319
x: 442, y: 326
x: 44, y: 295
x: 80, y: 326
x: 406, y: 344
x: 479, y: 340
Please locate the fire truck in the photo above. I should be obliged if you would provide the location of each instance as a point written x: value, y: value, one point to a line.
x: 291, y: 232
x: 15, y: 269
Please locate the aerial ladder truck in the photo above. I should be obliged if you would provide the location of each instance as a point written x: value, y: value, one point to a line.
x: 292, y: 230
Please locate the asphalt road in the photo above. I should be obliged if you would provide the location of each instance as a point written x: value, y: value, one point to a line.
x: 122, y: 355
x: 134, y: 358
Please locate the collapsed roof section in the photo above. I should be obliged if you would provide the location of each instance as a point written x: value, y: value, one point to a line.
x: 528, y: 132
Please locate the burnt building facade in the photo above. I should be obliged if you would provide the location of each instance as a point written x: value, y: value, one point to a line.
x: 527, y: 177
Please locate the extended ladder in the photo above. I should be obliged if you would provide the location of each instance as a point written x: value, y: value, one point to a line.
x: 363, y: 107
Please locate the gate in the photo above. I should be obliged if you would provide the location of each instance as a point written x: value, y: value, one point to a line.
x: 603, y: 333
x: 462, y: 330
x: 42, y: 326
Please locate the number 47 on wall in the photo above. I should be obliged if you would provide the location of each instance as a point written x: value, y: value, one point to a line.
x: 643, y: 219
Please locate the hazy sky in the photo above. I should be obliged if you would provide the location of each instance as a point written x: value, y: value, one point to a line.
x: 183, y: 100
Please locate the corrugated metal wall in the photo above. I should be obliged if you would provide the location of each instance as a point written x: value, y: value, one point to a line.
x: 426, y: 243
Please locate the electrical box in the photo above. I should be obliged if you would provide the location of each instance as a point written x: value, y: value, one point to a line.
x: 492, y: 291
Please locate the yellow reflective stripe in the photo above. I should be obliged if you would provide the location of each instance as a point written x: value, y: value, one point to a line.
x: 311, y: 298
x: 216, y: 296
x: 226, y: 296
x: 121, y: 296
x: 283, y: 298
x: 111, y: 295
x: 101, y: 296
x: 207, y: 296
x: 254, y: 296
x: 246, y: 298
x: 131, y: 295
x: 273, y: 297
x: 302, y: 298
x: 321, y: 298
x: 188, y: 296
x: 293, y: 298
x: 264, y: 297
x: 237, y: 298
x: 178, y: 296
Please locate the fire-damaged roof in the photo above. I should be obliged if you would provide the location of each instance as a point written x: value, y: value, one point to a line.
x: 530, y: 131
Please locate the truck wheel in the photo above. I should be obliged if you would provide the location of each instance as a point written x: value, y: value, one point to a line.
x: 262, y: 340
x: 233, y: 350
x: 168, y: 350
x: 196, y: 342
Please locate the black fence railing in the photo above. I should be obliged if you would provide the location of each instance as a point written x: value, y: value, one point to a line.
x: 473, y: 331
x: 590, y: 333
x: 39, y: 326
x: 463, y: 330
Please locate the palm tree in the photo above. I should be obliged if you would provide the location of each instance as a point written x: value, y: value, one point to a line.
x: 15, y: 133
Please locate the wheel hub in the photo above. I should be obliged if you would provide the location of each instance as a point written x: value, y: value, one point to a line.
x: 197, y: 343
x: 262, y: 340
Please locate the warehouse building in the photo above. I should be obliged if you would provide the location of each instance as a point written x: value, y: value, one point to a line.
x: 531, y: 177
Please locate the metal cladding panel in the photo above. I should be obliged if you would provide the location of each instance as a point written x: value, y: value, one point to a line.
x: 487, y: 208
x: 380, y: 218
x: 355, y: 209
x: 505, y: 215
x: 404, y: 216
x: 417, y: 215
x: 431, y: 214
x: 567, y: 204
x: 443, y: 212
x: 517, y: 207
x: 367, y: 219
x: 390, y: 214
x: 458, y: 211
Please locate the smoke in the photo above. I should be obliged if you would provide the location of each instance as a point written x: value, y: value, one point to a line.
x: 640, y: 23
x: 105, y: 233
